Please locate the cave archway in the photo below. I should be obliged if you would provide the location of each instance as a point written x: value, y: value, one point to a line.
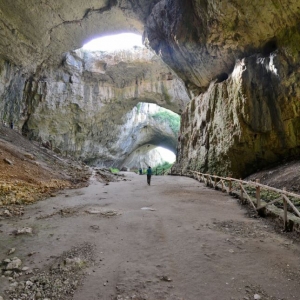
x: 96, y: 93
x: 148, y: 155
x: 147, y: 126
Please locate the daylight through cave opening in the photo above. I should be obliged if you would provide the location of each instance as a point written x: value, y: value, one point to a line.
x: 156, y: 130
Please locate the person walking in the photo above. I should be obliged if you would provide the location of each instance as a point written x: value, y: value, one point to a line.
x: 149, y: 173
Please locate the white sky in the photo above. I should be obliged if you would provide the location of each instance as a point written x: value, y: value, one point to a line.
x: 167, y: 155
x: 114, y: 42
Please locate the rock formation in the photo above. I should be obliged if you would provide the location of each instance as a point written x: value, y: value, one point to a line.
x: 246, y: 122
x: 238, y: 59
x: 85, y: 107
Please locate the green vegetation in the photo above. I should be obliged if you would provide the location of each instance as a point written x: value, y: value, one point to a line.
x: 138, y: 106
x: 162, y: 168
x: 171, y: 118
x: 114, y: 171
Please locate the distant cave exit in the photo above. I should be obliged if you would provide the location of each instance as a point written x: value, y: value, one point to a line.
x: 157, y: 138
x: 116, y: 42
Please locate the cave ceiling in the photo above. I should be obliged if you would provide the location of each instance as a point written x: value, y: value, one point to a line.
x: 199, y: 39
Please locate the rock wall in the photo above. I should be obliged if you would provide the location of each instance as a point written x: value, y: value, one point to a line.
x: 246, y: 122
x: 143, y: 157
x: 202, y: 39
x: 84, y: 108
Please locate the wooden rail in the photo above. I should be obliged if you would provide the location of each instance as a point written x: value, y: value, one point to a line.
x: 239, y: 187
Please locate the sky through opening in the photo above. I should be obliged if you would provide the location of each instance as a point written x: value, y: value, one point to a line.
x: 166, y: 154
x: 115, y: 42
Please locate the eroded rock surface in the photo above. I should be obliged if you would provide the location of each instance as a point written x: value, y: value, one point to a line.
x: 85, y: 107
x: 246, y: 122
x: 201, y: 40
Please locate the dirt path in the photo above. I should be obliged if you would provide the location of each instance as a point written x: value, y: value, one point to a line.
x: 189, y: 242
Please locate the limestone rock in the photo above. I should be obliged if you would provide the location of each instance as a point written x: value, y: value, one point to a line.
x: 14, y: 264
x: 11, y: 251
x: 25, y: 230
x: 206, y: 37
x: 8, y: 161
x: 246, y: 122
x: 29, y: 155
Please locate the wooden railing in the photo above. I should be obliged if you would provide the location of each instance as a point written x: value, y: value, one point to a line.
x: 244, y: 189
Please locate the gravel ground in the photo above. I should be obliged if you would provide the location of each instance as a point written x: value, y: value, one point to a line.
x: 175, y: 239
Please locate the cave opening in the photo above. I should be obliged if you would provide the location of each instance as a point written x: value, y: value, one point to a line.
x: 116, y: 42
x: 156, y: 130
x: 269, y: 47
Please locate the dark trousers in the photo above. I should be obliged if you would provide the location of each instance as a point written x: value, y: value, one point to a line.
x: 148, y: 179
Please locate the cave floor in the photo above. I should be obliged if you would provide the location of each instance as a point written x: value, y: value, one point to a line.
x: 175, y: 239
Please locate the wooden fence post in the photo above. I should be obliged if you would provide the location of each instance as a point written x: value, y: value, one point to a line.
x: 242, y: 193
x: 229, y: 184
x: 215, y: 180
x: 285, y: 218
x: 258, y: 201
x: 222, y: 186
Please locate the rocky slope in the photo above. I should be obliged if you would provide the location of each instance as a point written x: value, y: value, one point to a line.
x: 29, y: 173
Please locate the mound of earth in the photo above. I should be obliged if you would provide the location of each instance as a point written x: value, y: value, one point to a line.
x: 30, y: 172
x: 280, y: 176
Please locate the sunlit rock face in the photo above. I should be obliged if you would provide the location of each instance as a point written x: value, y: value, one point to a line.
x: 245, y: 123
x: 143, y: 157
x: 85, y: 107
x: 139, y: 132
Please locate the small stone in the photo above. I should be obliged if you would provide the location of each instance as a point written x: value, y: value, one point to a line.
x: 257, y: 297
x: 29, y: 283
x: 7, y: 273
x: 38, y: 295
x: 14, y: 284
x: 1, y: 298
x: 11, y: 251
x: 28, y: 155
x: 7, y: 213
x: 14, y: 264
x: 165, y: 278
x: 8, y: 161
x: 25, y: 230
x: 25, y: 268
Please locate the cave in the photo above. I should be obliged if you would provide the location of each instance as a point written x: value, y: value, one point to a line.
x: 214, y: 82
x: 45, y: 77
